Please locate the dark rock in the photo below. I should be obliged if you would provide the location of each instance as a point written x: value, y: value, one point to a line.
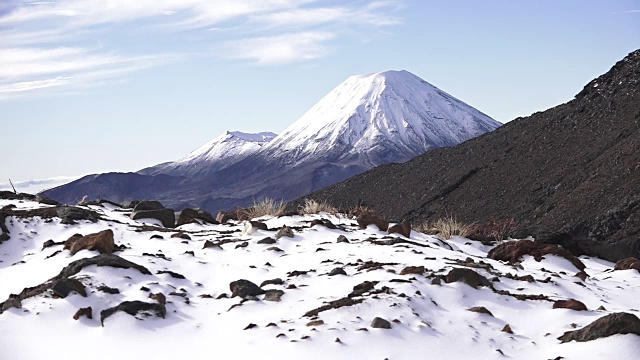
x: 274, y: 248
x: 259, y: 225
x: 223, y: 217
x: 481, y: 310
x: 181, y: 235
x: 159, y: 297
x: 267, y: 240
x: 418, y: 270
x: 284, y: 231
x: 71, y: 214
x: 174, y: 275
x: 244, y: 288
x: 250, y: 326
x: 63, y: 287
x: 362, y: 288
x: 242, y: 245
x: 404, y: 229
x: 366, y: 219
x: 315, y: 323
x: 133, y: 308
x: 50, y: 243
x: 276, y: 281
x: 324, y: 222
x: 436, y: 281
x: 100, y: 260
x: 210, y: 244
x: 628, y: 263
x: 468, y: 277
x: 380, y: 323
x: 342, y: 239
x: 148, y: 205
x: 108, y: 290
x: 188, y: 216
x: 101, y: 241
x: 612, y: 324
x: 513, y: 251
x: 87, y: 311
x: 570, y: 304
x: 273, y: 295
x: 336, y: 304
x: 166, y: 216
x: 337, y: 271
x: 156, y: 237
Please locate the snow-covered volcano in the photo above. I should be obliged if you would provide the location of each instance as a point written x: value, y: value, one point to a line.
x: 378, y: 118
x: 219, y: 153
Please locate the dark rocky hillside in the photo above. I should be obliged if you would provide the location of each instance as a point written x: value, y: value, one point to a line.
x: 573, y: 170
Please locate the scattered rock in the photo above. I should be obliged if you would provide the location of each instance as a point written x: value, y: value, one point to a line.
x: 380, y: 323
x: 404, y: 229
x: 362, y: 288
x: 101, y: 241
x: 342, y: 239
x: 211, y: 244
x: 133, y: 308
x: 513, y: 252
x: 153, y: 237
x: 627, y: 264
x: 276, y: 281
x: 242, y: 245
x: 273, y: 295
x: 324, y: 222
x: 367, y: 219
x: 171, y: 273
x: 188, y: 216
x: 337, y: 271
x: 181, y: 235
x: 148, y: 205
x: 336, y: 304
x: 507, y: 329
x: 159, y: 297
x: 468, y: 277
x: 315, y: 323
x: 481, y: 310
x: 274, y: 248
x: 617, y: 323
x: 87, y: 311
x: 244, y: 288
x: 267, y: 240
x: 250, y: 326
x: 284, y: 231
x: 166, y: 216
x: 63, y: 287
x: 108, y: 290
x: 571, y: 304
x: 50, y: 243
x: 413, y: 270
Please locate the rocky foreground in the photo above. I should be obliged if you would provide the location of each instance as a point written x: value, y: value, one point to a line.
x: 90, y: 282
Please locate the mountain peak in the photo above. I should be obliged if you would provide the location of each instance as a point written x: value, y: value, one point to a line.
x: 379, y: 117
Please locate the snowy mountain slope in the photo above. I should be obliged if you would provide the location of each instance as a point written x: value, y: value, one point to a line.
x: 377, y: 118
x: 202, y: 318
x: 219, y: 153
x: 366, y: 121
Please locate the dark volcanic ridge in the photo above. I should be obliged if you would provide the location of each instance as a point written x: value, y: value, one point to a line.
x: 568, y: 175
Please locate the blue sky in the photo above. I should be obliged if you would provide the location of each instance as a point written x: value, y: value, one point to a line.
x: 92, y: 86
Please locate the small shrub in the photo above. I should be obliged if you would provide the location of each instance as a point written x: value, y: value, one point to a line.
x: 445, y: 227
x: 314, y: 207
x: 264, y: 207
x: 360, y: 210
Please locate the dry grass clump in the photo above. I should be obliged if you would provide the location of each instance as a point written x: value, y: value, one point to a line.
x: 312, y: 206
x: 499, y: 229
x: 446, y: 227
x: 265, y: 207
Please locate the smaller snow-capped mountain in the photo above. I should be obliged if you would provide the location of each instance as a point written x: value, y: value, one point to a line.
x: 219, y: 153
x: 372, y: 119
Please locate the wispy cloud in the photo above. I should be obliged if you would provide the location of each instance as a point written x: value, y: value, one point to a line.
x: 282, y: 49
x: 626, y: 12
x: 59, y: 44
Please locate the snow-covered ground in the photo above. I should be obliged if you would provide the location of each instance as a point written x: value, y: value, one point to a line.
x: 428, y: 321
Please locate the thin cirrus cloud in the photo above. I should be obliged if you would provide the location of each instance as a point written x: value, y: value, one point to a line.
x: 52, y: 44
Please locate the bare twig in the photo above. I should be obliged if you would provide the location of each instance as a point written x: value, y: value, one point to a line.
x: 14, y: 188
